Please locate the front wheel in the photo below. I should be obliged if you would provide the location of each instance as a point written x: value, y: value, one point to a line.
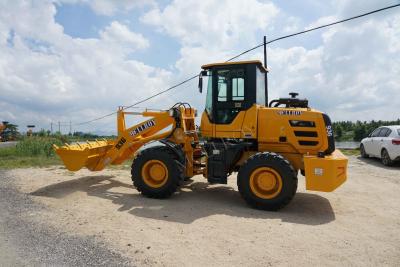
x: 267, y: 181
x: 362, y: 152
x: 156, y: 172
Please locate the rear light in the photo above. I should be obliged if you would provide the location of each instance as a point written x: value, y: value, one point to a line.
x: 396, y: 141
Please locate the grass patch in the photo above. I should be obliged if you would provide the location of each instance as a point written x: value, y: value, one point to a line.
x: 30, y: 152
x: 351, y: 152
x: 13, y: 162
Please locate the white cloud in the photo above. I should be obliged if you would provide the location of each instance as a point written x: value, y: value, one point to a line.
x: 209, y: 31
x: 209, y: 23
x: 354, y: 74
x: 120, y: 35
x: 46, y: 75
x: 322, y: 21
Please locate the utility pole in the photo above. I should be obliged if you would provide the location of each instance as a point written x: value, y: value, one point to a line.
x: 70, y: 128
x: 266, y: 73
x: 51, y: 127
x: 59, y: 127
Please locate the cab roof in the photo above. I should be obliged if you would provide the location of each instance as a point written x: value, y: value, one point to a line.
x: 256, y: 62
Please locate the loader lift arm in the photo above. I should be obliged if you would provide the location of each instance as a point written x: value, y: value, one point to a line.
x: 175, y: 124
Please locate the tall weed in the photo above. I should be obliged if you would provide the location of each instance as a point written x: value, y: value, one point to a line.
x: 37, y: 146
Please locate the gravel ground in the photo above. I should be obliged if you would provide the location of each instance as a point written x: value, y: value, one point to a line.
x: 27, y: 243
x: 55, y: 217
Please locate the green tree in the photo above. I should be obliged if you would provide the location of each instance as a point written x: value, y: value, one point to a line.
x: 338, y: 132
x: 359, y: 132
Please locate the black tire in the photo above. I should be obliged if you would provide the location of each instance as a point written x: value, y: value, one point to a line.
x: 362, y: 152
x: 281, y: 166
x: 385, y: 158
x: 170, y: 160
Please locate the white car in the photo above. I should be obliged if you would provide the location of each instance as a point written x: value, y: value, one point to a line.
x: 383, y: 143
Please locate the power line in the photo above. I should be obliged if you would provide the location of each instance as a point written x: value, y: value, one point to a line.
x: 334, y: 23
x: 313, y: 29
x: 164, y: 91
x: 143, y: 100
x: 242, y: 53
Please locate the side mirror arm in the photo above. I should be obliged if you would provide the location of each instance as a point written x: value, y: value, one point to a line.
x: 202, y: 73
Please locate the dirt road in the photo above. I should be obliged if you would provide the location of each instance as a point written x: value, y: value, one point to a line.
x: 203, y: 225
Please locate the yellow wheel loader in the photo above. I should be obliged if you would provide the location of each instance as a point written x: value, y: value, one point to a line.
x: 267, y: 144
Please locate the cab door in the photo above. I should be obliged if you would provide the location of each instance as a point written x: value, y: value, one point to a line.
x: 229, y: 101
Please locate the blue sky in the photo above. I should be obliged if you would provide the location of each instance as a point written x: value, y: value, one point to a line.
x: 81, y: 21
x: 74, y: 60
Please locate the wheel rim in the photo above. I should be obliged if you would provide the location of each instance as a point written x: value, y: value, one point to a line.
x: 155, y: 173
x: 265, y: 182
x: 385, y: 157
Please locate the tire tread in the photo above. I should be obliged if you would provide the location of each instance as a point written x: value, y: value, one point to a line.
x: 171, y: 187
x: 271, y: 158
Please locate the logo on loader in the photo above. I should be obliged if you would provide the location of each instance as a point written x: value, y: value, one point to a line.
x: 289, y: 112
x: 329, y: 130
x: 120, y: 143
x: 142, y: 127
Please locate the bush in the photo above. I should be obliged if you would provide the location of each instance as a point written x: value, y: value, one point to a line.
x: 37, y: 146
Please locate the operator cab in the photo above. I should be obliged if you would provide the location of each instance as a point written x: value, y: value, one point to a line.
x: 232, y: 87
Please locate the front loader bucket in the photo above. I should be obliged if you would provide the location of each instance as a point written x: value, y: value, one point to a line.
x: 80, y: 155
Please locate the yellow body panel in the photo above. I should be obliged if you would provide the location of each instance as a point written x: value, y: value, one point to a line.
x: 325, y: 174
x: 243, y: 126
x: 272, y: 129
x: 274, y: 123
x: 206, y: 127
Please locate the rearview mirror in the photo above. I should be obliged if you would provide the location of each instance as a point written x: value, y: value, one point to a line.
x: 200, y: 83
x: 202, y: 73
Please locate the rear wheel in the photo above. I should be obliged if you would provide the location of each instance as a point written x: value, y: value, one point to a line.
x: 267, y: 181
x: 362, y: 152
x: 385, y: 158
x: 156, y: 172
